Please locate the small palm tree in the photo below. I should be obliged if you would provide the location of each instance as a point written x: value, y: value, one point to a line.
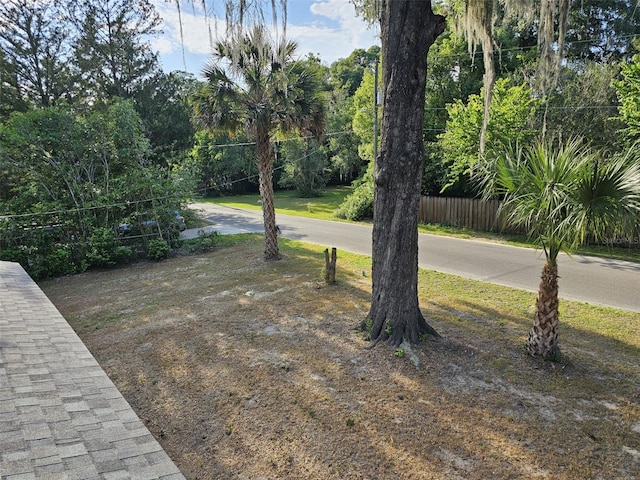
x: 561, y: 194
x: 255, y: 83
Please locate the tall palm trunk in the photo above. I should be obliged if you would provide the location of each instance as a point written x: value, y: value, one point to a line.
x: 265, y: 176
x: 543, y: 337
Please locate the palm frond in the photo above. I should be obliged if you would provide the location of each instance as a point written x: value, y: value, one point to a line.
x: 260, y: 82
x: 218, y: 104
x: 557, y: 191
x: 607, y: 192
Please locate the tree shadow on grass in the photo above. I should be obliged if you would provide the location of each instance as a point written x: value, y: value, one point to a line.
x: 584, y: 351
x: 278, y: 385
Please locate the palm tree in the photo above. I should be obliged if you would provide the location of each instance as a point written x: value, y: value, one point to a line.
x: 255, y: 83
x: 561, y: 194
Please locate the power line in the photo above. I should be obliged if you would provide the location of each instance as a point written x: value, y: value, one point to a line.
x: 566, y: 107
x: 146, y: 200
x: 246, y: 144
x: 477, y: 52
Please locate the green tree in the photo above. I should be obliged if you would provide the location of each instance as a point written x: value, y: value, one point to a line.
x: 346, y: 74
x: 45, y: 145
x: 162, y: 101
x: 478, y: 18
x: 76, y: 177
x: 584, y: 104
x: 35, y: 50
x: 224, y: 164
x: 10, y: 98
x: 453, y: 75
x: 342, y: 146
x: 305, y: 166
x: 256, y: 84
x: 112, y: 52
x: 561, y: 194
x: 511, y: 114
x: 628, y: 90
x: 74, y: 161
x: 363, y: 114
x: 610, y: 27
x: 359, y: 203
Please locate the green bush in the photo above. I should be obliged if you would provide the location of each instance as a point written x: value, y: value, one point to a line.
x: 158, y: 249
x: 358, y: 205
x: 105, y: 251
x: 123, y: 255
x: 43, y: 252
x: 56, y: 262
x: 17, y: 254
x: 102, y: 248
x: 205, y: 242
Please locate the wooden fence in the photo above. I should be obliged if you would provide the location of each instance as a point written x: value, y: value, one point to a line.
x: 483, y: 216
x: 462, y: 213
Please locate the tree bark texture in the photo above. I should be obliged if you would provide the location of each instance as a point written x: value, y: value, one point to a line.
x: 408, y: 29
x: 265, y: 178
x: 543, y: 337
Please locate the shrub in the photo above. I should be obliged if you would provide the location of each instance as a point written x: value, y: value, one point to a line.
x: 123, y: 254
x: 17, y: 254
x: 359, y: 204
x: 158, y: 249
x: 54, y: 263
x: 103, y: 247
x: 205, y: 242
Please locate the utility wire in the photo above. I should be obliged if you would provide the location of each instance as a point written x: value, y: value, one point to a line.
x: 527, y: 47
x: 145, y: 200
x: 246, y: 144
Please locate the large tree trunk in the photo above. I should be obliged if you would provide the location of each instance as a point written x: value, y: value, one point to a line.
x: 265, y: 177
x: 408, y: 29
x: 543, y: 337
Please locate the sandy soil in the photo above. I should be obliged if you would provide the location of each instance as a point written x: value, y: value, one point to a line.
x: 250, y: 370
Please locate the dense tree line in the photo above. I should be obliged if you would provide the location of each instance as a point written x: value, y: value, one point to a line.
x: 601, y: 41
x: 84, y: 58
x: 92, y: 138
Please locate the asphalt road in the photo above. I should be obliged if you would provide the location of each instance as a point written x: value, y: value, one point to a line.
x: 600, y: 281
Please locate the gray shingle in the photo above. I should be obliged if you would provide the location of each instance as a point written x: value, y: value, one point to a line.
x: 60, y: 415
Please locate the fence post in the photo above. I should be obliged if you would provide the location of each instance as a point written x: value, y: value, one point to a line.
x: 330, y: 266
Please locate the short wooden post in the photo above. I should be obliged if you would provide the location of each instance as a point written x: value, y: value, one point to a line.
x: 330, y: 266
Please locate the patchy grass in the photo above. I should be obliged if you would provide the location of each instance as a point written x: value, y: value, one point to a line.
x: 243, y: 368
x: 96, y: 322
x: 288, y: 203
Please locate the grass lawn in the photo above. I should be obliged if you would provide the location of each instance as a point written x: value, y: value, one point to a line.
x: 288, y: 203
x: 246, y: 369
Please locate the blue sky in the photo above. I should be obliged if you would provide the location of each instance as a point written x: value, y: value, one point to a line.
x: 327, y: 28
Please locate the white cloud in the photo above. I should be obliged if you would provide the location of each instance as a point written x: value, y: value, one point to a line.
x: 196, y: 30
x: 331, y: 30
x: 334, y: 42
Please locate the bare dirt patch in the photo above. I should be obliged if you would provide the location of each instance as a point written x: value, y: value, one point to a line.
x: 244, y: 369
